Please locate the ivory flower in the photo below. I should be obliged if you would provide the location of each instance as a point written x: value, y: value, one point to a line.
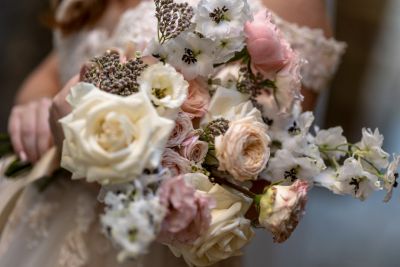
x: 229, y: 231
x: 281, y: 208
x: 243, y: 150
x: 110, y: 138
x: 165, y: 87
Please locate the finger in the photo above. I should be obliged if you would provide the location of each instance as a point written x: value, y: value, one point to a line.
x: 44, y: 139
x: 14, y: 130
x: 28, y: 130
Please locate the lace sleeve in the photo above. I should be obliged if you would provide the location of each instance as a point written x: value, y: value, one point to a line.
x: 322, y: 55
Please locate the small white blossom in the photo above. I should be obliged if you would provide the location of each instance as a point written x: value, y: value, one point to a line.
x: 330, y: 141
x: 222, y: 18
x: 286, y: 166
x: 370, y: 148
x: 391, y: 177
x: 357, y: 181
x: 227, y: 47
x: 190, y: 54
x: 132, y: 222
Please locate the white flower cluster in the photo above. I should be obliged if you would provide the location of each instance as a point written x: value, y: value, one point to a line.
x: 132, y: 220
x: 216, y: 35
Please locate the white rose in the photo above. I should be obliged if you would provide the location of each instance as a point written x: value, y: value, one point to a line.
x: 110, y: 138
x: 243, y: 150
x: 165, y: 87
x: 229, y: 230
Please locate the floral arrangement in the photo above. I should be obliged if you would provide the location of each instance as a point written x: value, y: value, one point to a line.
x: 201, y: 137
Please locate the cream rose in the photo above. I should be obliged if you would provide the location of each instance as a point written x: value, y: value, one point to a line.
x: 281, y: 208
x: 243, y: 150
x: 165, y: 87
x: 110, y: 138
x: 229, y: 231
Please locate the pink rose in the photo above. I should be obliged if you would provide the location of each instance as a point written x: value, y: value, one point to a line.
x: 188, y: 212
x: 193, y: 149
x: 176, y: 164
x: 269, y: 52
x: 281, y: 208
x: 183, y: 127
x: 198, y: 99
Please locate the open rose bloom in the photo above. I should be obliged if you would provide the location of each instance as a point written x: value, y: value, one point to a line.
x: 180, y: 136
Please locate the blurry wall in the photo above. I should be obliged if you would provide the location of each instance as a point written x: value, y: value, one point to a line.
x: 23, y: 43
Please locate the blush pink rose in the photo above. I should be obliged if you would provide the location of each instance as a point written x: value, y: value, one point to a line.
x: 188, y: 212
x: 193, y: 149
x: 183, y: 127
x: 198, y: 99
x: 269, y: 52
x: 176, y: 164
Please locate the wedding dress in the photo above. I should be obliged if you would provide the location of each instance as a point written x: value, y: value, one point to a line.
x: 59, y: 227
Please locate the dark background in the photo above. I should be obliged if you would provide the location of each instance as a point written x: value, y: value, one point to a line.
x: 336, y: 231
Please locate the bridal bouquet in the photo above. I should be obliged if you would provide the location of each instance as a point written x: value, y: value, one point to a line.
x: 201, y: 137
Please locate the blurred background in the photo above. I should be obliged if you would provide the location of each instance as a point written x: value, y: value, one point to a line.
x: 337, y: 231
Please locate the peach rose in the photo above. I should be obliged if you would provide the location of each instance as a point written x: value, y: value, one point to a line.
x: 243, y: 150
x: 197, y: 101
x: 269, y: 52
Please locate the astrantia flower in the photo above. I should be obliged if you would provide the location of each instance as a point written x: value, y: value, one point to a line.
x: 281, y: 208
x: 132, y: 223
x: 229, y: 231
x: 183, y: 127
x: 391, y: 177
x: 370, y: 148
x: 110, y: 138
x: 357, y: 182
x: 243, y: 150
x: 175, y: 163
x: 191, y: 54
x: 226, y: 18
x: 188, y: 212
x: 165, y: 87
x: 332, y: 142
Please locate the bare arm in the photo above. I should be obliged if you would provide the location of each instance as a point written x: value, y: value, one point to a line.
x: 28, y: 124
x: 310, y: 13
x: 42, y: 82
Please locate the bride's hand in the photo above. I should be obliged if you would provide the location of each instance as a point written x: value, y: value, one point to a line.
x: 29, y: 129
x: 59, y: 109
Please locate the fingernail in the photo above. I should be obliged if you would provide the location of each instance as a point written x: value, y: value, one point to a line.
x: 22, y: 156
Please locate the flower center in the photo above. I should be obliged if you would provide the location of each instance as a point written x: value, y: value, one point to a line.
x: 292, y: 174
x: 219, y: 14
x: 189, y: 57
x: 116, y: 132
x: 160, y: 93
x: 356, y: 183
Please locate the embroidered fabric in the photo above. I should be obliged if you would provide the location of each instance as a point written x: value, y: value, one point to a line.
x: 138, y: 25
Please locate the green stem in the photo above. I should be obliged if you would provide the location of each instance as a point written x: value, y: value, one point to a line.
x: 217, y: 178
